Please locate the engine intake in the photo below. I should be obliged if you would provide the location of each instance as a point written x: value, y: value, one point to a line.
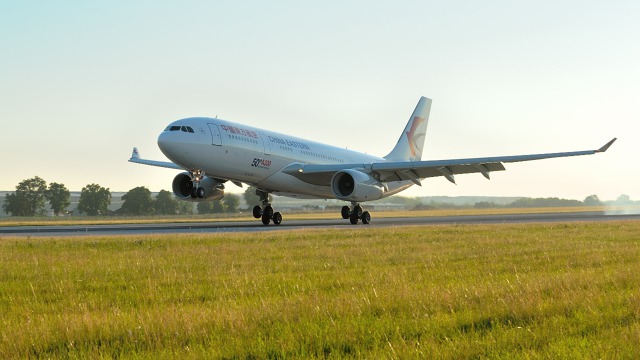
x: 354, y: 185
x: 183, y: 186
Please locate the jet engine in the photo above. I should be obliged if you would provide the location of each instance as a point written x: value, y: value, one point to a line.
x: 210, y: 189
x: 354, y: 185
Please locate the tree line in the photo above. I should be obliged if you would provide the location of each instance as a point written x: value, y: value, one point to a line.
x: 591, y: 200
x: 31, y: 196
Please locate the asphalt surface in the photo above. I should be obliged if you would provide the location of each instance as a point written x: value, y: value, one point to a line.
x: 293, y: 225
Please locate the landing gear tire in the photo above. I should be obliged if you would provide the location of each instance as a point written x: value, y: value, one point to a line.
x: 356, y: 214
x: 194, y: 193
x: 354, y: 218
x: 265, y: 219
x: 366, y: 217
x: 277, y: 218
x: 346, y: 212
x: 200, y: 193
x: 268, y: 215
x: 268, y: 211
x: 257, y: 211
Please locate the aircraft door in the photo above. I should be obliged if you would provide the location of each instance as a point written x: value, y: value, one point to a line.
x: 216, y: 138
x: 266, y: 143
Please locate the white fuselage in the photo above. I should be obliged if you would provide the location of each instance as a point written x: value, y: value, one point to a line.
x: 241, y: 153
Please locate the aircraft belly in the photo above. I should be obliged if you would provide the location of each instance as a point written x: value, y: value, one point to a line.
x: 285, y: 183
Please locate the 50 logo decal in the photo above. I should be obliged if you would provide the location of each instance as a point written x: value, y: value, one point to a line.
x: 261, y: 163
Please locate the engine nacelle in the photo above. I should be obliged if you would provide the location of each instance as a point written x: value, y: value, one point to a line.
x: 182, y: 187
x: 354, y: 185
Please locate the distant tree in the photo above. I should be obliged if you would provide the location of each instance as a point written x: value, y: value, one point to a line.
x: 13, y: 205
x: 402, y: 200
x: 28, y: 199
x: 422, y: 206
x: 544, y: 202
x: 251, y: 198
x: 94, y: 200
x: 592, y: 200
x: 58, y: 196
x: 231, y: 203
x: 137, y: 201
x: 485, y: 205
x: 185, y: 207
x: 210, y: 207
x: 623, y: 200
x: 165, y: 204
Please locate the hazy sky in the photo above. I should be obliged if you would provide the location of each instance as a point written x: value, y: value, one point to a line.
x: 82, y: 82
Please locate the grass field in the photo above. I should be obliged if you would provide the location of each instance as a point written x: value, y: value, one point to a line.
x: 291, y: 215
x: 472, y: 291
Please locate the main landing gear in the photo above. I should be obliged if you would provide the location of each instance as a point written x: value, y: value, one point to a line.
x: 266, y: 212
x: 354, y: 214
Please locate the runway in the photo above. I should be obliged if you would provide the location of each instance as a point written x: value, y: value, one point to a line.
x: 293, y: 225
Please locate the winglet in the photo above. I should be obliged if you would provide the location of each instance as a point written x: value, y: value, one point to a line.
x: 606, y: 146
x: 135, y: 154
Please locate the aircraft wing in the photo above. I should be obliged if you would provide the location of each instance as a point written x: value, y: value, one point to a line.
x: 416, y: 170
x: 135, y: 158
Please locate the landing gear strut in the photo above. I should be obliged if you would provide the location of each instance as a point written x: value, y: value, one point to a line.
x: 196, y: 190
x: 266, y: 212
x: 355, y: 214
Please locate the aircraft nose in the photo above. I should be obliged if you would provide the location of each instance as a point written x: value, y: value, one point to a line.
x: 163, y: 140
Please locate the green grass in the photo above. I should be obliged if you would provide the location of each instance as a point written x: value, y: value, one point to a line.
x: 507, y: 291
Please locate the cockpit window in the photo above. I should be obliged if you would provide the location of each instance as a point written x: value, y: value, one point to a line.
x: 187, y: 129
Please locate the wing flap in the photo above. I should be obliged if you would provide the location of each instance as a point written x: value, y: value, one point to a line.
x: 427, y: 171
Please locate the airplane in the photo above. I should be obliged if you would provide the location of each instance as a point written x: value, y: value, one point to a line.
x: 212, y: 151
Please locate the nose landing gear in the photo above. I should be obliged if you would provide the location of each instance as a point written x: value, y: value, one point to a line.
x: 355, y: 214
x: 196, y: 190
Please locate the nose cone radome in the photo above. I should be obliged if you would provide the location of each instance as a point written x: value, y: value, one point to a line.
x: 166, y: 142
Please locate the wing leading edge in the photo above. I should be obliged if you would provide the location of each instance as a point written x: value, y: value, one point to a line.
x: 416, y: 170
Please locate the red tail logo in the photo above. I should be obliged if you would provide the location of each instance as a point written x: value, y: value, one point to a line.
x: 412, y: 136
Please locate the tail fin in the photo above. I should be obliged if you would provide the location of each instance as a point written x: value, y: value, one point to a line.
x: 411, y: 142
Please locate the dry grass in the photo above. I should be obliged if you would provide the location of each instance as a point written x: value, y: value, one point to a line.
x: 508, y: 291
x: 45, y: 221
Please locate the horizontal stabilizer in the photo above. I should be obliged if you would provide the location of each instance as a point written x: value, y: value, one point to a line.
x: 135, y: 158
